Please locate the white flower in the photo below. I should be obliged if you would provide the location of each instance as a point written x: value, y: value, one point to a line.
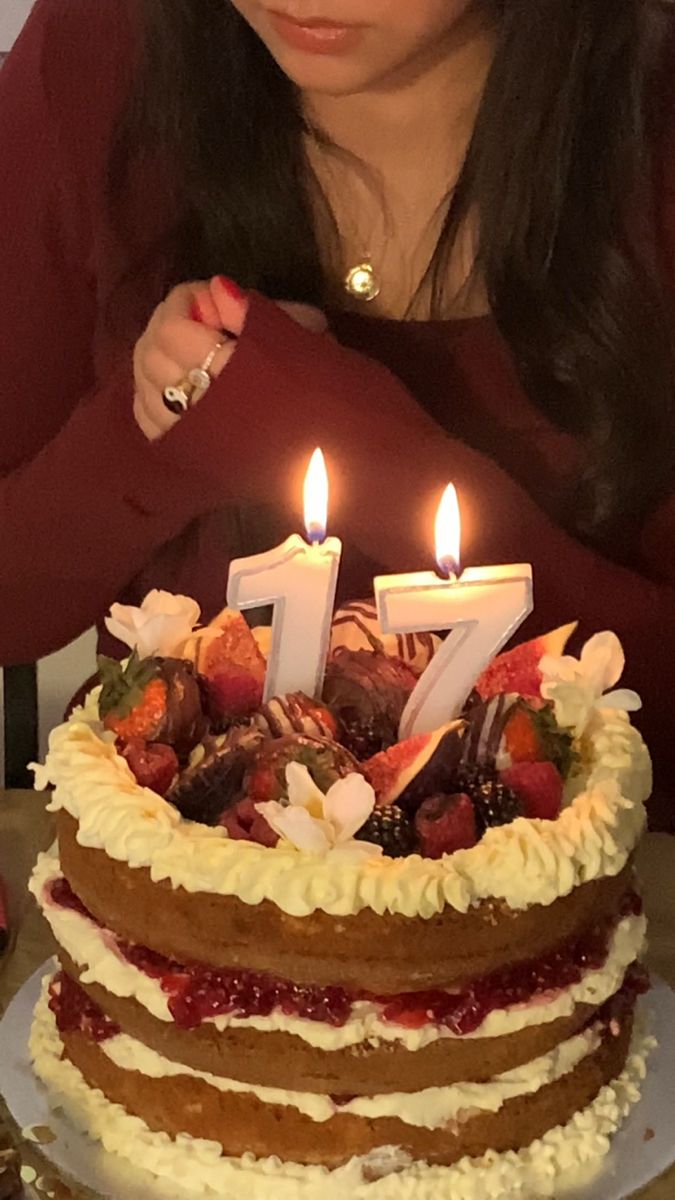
x: 323, y: 824
x: 579, y: 687
x: 161, y: 623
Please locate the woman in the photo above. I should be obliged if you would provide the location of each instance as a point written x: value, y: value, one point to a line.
x: 503, y: 173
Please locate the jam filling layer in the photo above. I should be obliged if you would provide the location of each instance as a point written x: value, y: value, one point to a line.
x: 76, y: 1012
x: 196, y: 992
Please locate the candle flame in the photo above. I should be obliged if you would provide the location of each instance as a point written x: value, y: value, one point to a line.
x: 449, y: 533
x: 316, y: 498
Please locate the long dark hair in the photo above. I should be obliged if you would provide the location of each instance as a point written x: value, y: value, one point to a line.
x: 558, y: 164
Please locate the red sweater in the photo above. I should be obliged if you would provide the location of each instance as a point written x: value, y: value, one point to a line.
x: 92, y: 512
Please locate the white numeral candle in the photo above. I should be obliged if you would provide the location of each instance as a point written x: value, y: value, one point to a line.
x: 482, y: 607
x: 299, y: 579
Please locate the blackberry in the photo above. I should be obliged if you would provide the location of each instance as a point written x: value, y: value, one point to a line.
x: 494, y: 803
x: 390, y: 828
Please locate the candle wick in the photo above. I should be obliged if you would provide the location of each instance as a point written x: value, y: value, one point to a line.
x: 316, y: 535
x: 450, y: 568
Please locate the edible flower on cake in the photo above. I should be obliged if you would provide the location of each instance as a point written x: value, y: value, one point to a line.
x: 579, y: 687
x: 323, y: 823
x: 159, y: 626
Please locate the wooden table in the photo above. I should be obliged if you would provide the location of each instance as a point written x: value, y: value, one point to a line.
x: 25, y: 828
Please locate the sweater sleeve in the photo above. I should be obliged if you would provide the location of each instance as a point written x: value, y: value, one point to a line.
x: 84, y: 498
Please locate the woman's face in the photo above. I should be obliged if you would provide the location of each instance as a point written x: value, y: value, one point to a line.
x: 344, y: 46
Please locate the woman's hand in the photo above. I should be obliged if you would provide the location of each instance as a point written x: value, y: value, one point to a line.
x: 183, y: 331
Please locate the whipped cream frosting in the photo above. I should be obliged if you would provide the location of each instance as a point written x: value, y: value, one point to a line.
x: 93, y: 949
x: 524, y: 863
x: 431, y: 1108
x: 200, y: 1166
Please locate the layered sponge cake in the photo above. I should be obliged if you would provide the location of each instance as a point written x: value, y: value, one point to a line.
x: 298, y: 954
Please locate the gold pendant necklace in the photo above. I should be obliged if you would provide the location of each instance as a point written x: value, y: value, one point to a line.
x: 361, y: 281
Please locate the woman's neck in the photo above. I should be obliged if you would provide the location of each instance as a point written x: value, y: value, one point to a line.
x: 431, y: 104
x: 403, y: 148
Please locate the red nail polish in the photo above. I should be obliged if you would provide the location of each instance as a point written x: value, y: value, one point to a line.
x: 195, y: 312
x: 231, y: 288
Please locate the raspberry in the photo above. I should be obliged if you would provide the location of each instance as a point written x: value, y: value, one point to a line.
x: 445, y: 824
x: 539, y: 787
x: 244, y: 823
x: 154, y: 765
x: 390, y: 828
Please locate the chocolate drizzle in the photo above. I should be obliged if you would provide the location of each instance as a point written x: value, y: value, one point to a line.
x: 487, y: 722
x: 293, y: 713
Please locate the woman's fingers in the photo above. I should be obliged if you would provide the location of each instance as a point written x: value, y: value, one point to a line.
x: 231, y: 304
x: 204, y: 309
x: 186, y: 342
x: 183, y: 334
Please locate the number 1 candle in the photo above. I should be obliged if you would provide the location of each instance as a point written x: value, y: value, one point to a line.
x: 299, y: 578
x: 481, y: 606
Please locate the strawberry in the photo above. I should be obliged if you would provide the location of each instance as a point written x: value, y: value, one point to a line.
x: 154, y: 765
x: 539, y: 787
x: 532, y: 735
x: 521, y: 738
x: 154, y: 699
x: 445, y: 824
x: 233, y: 668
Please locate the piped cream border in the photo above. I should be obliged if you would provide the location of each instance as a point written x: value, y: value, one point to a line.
x: 524, y: 863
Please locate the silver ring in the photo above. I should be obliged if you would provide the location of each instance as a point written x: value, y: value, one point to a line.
x: 179, y: 397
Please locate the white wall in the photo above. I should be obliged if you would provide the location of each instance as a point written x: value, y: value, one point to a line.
x: 13, y: 13
x: 60, y: 675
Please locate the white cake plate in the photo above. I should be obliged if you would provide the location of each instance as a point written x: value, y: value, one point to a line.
x: 642, y: 1150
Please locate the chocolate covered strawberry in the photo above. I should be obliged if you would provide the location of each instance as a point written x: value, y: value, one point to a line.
x: 213, y: 782
x: 325, y: 760
x: 367, y: 692
x: 152, y: 699
x: 295, y: 713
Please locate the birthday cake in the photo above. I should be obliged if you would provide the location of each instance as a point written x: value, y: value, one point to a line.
x: 300, y: 956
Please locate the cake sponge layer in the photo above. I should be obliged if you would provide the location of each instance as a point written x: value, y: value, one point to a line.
x: 381, y: 953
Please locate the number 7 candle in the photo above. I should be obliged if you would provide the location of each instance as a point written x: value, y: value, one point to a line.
x: 481, y: 606
x: 299, y: 578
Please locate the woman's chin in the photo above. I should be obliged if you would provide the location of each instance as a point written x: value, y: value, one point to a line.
x: 337, y: 76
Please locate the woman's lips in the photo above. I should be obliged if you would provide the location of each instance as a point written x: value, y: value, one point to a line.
x: 316, y: 36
